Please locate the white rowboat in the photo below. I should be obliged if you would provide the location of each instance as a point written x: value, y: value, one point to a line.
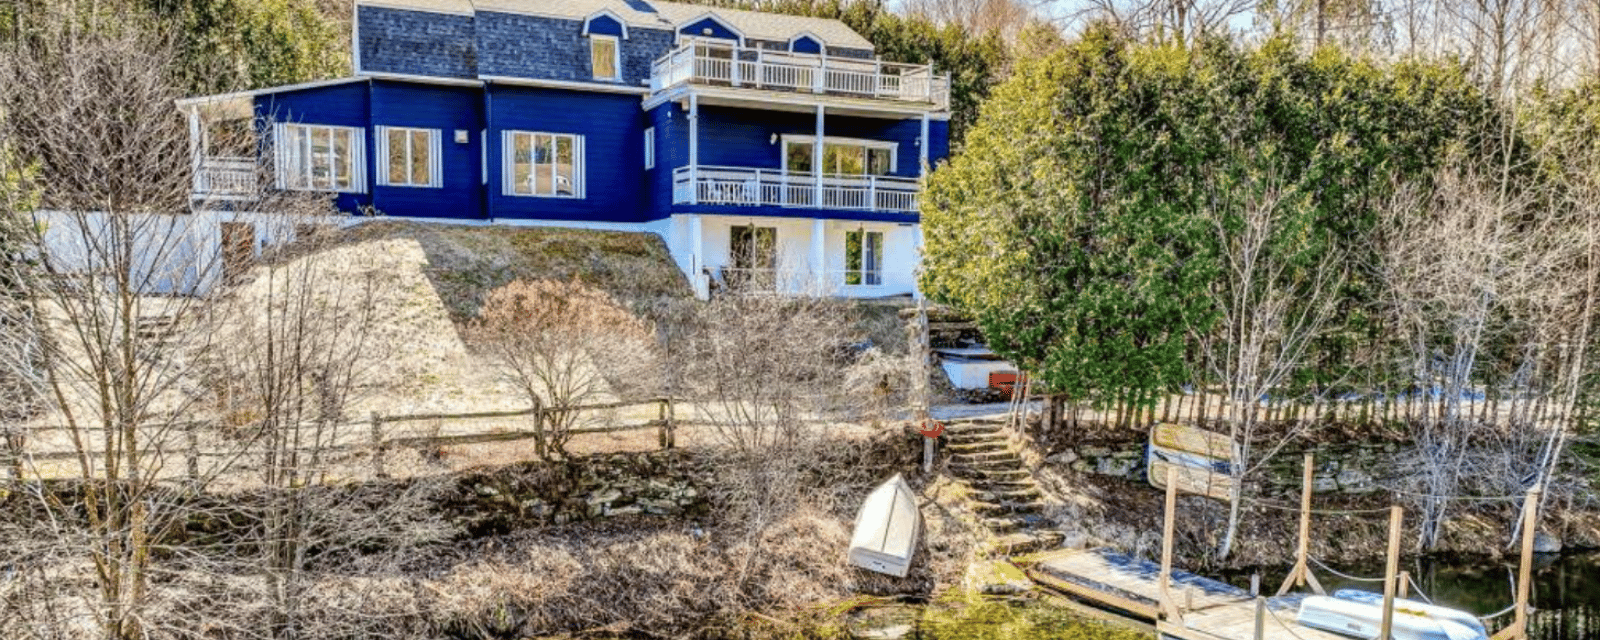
x: 886, y: 529
x: 1359, y: 614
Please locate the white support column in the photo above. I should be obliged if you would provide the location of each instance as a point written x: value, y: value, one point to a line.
x: 196, y: 150
x: 816, y: 160
x: 819, y: 254
x: 922, y: 145
x: 694, y: 150
x: 697, y: 261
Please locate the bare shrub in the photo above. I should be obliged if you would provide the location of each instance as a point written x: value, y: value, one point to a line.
x: 564, y: 345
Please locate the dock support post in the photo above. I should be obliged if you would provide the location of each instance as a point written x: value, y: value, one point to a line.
x: 1403, y: 584
x: 1530, y: 525
x: 1391, y: 568
x: 1168, y: 607
x: 1261, y: 618
x: 1301, y: 573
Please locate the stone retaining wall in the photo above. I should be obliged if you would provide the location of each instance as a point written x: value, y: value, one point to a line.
x: 601, y: 486
x: 1349, y: 468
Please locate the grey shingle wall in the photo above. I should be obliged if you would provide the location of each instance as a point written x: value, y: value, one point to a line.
x: 555, y: 49
x: 417, y: 42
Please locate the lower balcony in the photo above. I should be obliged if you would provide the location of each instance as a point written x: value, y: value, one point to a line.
x: 739, y: 186
x: 217, y: 177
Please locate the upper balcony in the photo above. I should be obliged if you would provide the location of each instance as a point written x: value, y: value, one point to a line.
x: 725, y: 65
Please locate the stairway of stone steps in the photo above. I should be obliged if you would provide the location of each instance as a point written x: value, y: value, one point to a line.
x: 1003, y: 492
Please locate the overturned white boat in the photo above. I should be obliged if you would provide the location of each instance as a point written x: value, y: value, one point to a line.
x: 1359, y: 614
x: 886, y: 529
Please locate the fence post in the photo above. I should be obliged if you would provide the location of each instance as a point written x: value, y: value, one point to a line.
x: 378, y: 452
x: 192, y: 455
x: 538, y: 431
x: 672, y: 424
x: 13, y: 442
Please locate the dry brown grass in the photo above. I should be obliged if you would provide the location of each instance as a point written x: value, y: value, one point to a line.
x: 465, y: 263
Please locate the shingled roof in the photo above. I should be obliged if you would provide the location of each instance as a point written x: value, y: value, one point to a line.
x: 651, y: 14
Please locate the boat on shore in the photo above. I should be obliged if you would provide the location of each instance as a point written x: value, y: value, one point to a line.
x: 886, y: 529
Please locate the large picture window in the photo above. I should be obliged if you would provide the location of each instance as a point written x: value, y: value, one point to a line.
x: 543, y: 164
x: 411, y: 157
x: 321, y: 158
x: 863, y: 258
x: 605, y: 57
x: 840, y: 156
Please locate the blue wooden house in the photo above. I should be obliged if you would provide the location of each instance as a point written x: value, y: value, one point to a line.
x: 769, y: 151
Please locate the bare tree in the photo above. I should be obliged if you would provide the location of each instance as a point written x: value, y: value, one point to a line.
x: 1180, y: 21
x: 1008, y: 18
x: 762, y: 370
x: 564, y: 344
x: 1275, y: 296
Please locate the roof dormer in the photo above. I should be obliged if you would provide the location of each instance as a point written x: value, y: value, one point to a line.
x: 605, y: 22
x: 806, y: 42
x: 710, y: 25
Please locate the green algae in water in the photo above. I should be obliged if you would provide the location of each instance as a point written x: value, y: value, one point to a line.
x: 997, y: 620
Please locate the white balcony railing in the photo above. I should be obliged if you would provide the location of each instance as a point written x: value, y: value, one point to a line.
x: 728, y: 65
x: 801, y: 281
x: 770, y: 187
x: 226, y: 177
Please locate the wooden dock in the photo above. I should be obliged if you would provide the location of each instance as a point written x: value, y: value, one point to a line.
x: 1206, y: 609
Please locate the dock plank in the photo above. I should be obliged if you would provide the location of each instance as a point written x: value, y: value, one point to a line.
x: 1213, y: 609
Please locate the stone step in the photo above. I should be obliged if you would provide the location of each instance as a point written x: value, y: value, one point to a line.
x: 1004, y: 525
x: 1028, y: 542
x: 976, y: 447
x: 1023, y: 493
x: 973, y: 438
x: 991, y: 473
x: 987, y: 456
x: 1006, y: 508
x: 973, y: 428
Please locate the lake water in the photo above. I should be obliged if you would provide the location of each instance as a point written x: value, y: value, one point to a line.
x: 1566, y: 589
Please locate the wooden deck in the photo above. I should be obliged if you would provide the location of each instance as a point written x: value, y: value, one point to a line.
x: 1210, y: 610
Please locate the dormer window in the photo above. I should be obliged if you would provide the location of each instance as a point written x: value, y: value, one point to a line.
x: 605, y: 57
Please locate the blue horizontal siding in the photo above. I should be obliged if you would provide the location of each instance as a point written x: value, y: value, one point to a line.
x: 416, y: 42
x: 613, y: 130
x: 743, y: 137
x: 345, y: 105
x: 447, y: 109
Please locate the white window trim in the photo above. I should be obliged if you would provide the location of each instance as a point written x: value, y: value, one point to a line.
x: 508, y: 168
x: 649, y: 148
x: 616, y: 58
x: 435, y: 164
x: 358, y: 157
x: 893, y: 147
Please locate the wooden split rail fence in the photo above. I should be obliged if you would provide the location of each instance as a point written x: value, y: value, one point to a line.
x: 380, y: 438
